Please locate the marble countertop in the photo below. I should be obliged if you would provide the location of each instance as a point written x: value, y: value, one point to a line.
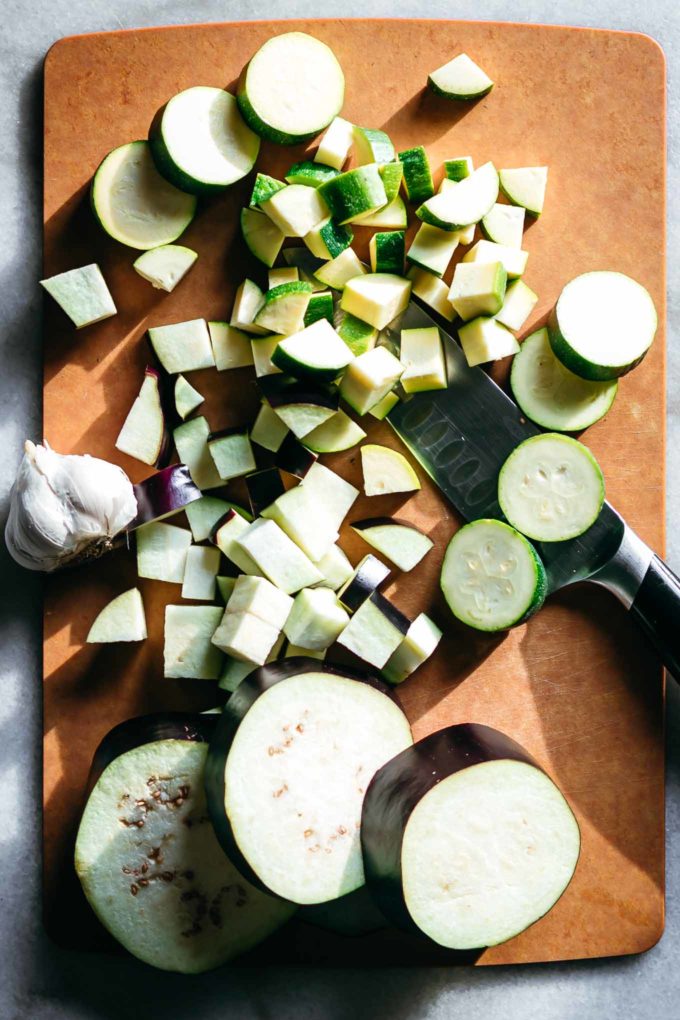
x: 39, y: 981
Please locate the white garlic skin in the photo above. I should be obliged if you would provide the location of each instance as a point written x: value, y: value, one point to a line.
x: 64, y: 507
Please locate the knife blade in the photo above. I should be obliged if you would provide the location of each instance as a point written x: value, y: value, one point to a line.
x: 462, y: 435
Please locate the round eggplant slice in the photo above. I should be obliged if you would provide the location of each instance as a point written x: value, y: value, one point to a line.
x: 290, y: 762
x: 147, y: 857
x: 465, y: 839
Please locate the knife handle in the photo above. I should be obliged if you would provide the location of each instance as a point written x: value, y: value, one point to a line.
x: 656, y: 607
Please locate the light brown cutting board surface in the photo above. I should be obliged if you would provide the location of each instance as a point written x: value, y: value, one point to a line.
x: 577, y: 686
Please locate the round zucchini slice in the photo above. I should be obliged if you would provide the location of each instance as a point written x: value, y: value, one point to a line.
x: 200, y: 142
x: 551, y: 488
x: 492, y: 578
x: 552, y: 396
x: 291, y: 89
x: 602, y: 325
x: 134, y: 204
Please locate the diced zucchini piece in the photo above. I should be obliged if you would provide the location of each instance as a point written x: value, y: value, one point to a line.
x: 372, y: 146
x: 306, y: 265
x: 369, y: 377
x: 81, y: 293
x: 525, y: 186
x: 134, y: 204
x: 143, y: 435
x: 432, y: 291
x: 484, y: 339
x: 303, y: 409
x: 291, y: 89
x: 514, y: 259
x: 517, y: 305
x: 463, y: 203
x: 284, y: 308
x: 336, y: 434
x: 335, y: 567
x: 164, y: 267
x: 224, y: 536
x: 309, y: 173
x: 188, y: 651
x: 232, y: 454
x: 320, y: 307
x: 263, y: 237
x: 225, y: 586
x: 245, y: 637
x: 334, y: 147
x: 458, y: 168
x: 231, y: 347
x: 296, y: 209
x: 386, y: 471
x: 375, y: 631
x: 293, y: 511
x: 187, y: 397
x: 377, y: 298
x: 182, y: 346
x: 358, y: 335
x: 354, y: 192
x: 202, y: 565
x: 121, y: 619
x: 422, y: 356
x: 340, y: 270
x: 203, y: 514
x: 478, y: 288
x: 392, y: 175
x: 419, y: 643
x: 248, y: 301
x: 269, y: 430
x: 263, y: 348
x: 392, y: 216
x: 316, y: 619
x: 399, y: 542
x: 384, y: 406
x: 460, y: 78
x: 278, y: 557
x: 504, y: 224
x: 433, y: 249
x: 258, y: 596
x: 333, y: 494
x: 328, y: 239
x: 263, y: 188
x: 286, y: 274
x: 418, y: 182
x: 316, y: 352
x: 162, y: 551
x: 191, y: 440
x: 387, y: 250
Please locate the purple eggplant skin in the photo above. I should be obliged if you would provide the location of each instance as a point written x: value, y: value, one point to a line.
x: 235, y: 709
x: 233, y: 430
x: 263, y: 488
x: 161, y: 494
x: 293, y: 457
x: 400, y: 785
x: 301, y: 394
x: 369, y: 574
x: 147, y: 729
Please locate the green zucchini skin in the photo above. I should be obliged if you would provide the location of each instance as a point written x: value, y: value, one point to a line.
x: 579, y: 365
x: 417, y: 174
x: 258, y: 126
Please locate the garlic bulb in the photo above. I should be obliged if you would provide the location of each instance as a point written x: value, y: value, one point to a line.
x: 65, y: 508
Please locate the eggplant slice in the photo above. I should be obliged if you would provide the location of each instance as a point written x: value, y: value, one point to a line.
x: 465, y: 839
x: 292, y: 757
x: 147, y: 857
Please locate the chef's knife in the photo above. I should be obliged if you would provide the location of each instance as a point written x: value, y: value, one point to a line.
x: 462, y: 435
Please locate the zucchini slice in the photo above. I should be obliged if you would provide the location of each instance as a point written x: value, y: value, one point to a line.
x: 336, y: 434
x: 483, y: 339
x: 460, y: 78
x: 466, y: 840
x: 492, y: 577
x: 263, y: 188
x: 202, y: 566
x: 387, y: 251
x: 82, y: 294
x: 504, y: 224
x: 392, y: 175
x: 191, y: 440
x: 121, y: 619
x: 320, y: 306
x: 432, y: 249
x: 231, y: 347
x: 316, y: 353
x: 514, y: 259
x: 478, y: 289
x: 458, y: 168
x: 518, y: 304
x: 284, y: 308
x: 551, y: 488
x: 369, y: 378
x: 525, y: 186
x: 328, y: 239
x: 354, y: 193
x: 291, y: 89
x: 232, y: 453
x: 552, y: 396
x: 602, y: 325
x: 359, y: 336
x: 340, y: 270
x: 268, y: 430
x: 372, y: 146
x: 296, y: 209
x: 418, y: 182
x: 464, y: 203
x: 262, y: 236
x: 310, y: 173
x: 182, y: 346
x: 187, y: 397
x: 134, y: 204
x: 200, y: 142
x: 304, y: 728
x: 386, y: 471
x: 399, y: 541
x: 165, y: 266
x: 148, y: 859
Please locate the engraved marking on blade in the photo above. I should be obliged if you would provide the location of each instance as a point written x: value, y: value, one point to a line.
x: 465, y: 471
x: 481, y: 492
x: 449, y: 453
x: 416, y: 416
x: 434, y: 434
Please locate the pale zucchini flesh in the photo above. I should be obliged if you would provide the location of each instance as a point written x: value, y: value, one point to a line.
x: 82, y: 294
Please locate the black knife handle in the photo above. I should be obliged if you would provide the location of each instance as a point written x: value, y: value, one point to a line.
x: 656, y: 608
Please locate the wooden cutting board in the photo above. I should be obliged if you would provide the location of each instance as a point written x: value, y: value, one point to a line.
x: 577, y: 686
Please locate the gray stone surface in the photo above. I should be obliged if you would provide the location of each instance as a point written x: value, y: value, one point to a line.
x: 38, y: 981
